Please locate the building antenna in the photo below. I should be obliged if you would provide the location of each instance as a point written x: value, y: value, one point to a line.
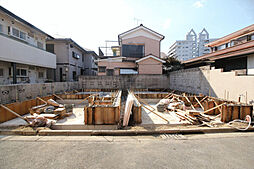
x: 137, y: 21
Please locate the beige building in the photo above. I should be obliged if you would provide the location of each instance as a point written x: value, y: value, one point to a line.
x: 23, y: 55
x: 138, y: 53
x: 72, y: 60
x: 233, y: 52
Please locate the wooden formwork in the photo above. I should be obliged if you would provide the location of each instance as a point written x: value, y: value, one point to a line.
x: 136, y: 115
x: 229, y: 110
x: 21, y: 108
x: 105, y: 110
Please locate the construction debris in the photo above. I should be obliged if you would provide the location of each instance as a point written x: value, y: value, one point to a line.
x: 39, y: 121
x: 103, y: 108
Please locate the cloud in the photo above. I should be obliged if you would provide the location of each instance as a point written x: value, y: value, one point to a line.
x: 199, y: 4
x: 166, y: 23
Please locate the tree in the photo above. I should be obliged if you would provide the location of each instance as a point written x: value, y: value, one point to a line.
x: 172, y: 64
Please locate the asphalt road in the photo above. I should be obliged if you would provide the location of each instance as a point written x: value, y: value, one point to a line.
x: 232, y: 150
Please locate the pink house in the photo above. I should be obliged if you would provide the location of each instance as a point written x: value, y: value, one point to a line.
x: 138, y: 53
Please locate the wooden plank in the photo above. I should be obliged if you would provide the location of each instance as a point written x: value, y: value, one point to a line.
x: 128, y: 108
x: 117, y: 115
x: 189, y: 102
x: 98, y: 115
x: 110, y: 115
x: 58, y: 97
x: 85, y: 115
x: 142, y: 101
x: 219, y: 110
x: 224, y: 113
x: 152, y: 111
x: 90, y: 116
x: 199, y: 103
x: 201, y: 100
x: 14, y: 113
x: 213, y: 108
x: 229, y: 113
x: 235, y: 113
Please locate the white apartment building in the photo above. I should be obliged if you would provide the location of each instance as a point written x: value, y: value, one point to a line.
x: 192, y: 47
x: 72, y: 60
x: 23, y: 55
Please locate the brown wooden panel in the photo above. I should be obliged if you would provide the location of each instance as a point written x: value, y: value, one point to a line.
x: 85, y: 115
x: 224, y: 113
x: 90, y: 116
x: 235, y: 113
x: 229, y: 113
x: 110, y: 115
x: 98, y: 115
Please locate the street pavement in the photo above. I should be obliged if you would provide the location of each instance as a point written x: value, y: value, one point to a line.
x: 225, y: 150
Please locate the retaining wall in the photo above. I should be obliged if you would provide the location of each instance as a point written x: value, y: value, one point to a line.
x: 22, y: 92
x: 124, y: 82
x: 213, y: 82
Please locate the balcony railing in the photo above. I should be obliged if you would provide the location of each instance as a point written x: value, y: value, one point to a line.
x: 13, y: 50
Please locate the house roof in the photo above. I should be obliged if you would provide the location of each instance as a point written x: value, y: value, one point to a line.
x: 234, y: 35
x: 70, y: 41
x: 111, y: 59
x: 23, y: 21
x: 150, y: 56
x: 141, y: 26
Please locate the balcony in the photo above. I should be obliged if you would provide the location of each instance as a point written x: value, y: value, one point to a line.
x: 12, y: 50
x: 237, y: 50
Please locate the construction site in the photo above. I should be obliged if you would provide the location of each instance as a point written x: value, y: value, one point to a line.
x: 120, y: 111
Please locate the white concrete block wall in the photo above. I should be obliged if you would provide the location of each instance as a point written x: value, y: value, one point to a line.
x: 21, y: 92
x: 214, y: 83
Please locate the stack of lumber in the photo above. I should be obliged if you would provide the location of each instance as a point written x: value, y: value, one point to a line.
x: 50, y: 110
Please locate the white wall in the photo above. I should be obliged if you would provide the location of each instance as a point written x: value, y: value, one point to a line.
x: 14, y: 51
x: 214, y: 83
x: 250, y: 65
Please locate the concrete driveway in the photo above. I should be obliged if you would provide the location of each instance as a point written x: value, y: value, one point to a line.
x: 228, y: 150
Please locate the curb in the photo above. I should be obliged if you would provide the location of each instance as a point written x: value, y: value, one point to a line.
x: 120, y: 132
x: 133, y: 132
x: 16, y: 132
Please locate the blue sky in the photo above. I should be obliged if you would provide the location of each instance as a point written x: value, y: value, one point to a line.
x: 90, y: 23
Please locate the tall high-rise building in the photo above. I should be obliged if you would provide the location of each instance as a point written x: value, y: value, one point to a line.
x: 192, y: 47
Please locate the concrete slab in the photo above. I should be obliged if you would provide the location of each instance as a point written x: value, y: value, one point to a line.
x: 14, y: 122
x: 76, y: 118
x: 150, y: 118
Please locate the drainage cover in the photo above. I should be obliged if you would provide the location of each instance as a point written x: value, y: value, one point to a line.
x: 173, y: 136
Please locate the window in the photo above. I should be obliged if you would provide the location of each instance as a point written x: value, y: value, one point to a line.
x: 1, y: 28
x: 102, y: 68
x: 41, y: 75
x: 252, y: 37
x: 15, y: 32
x: 221, y: 47
x: 50, y: 48
x: 22, y: 35
x: 1, y: 72
x: 21, y: 72
x: 19, y: 34
x: 75, y: 55
x: 74, y: 75
x: 133, y: 50
x: 110, y: 72
x: 39, y: 45
x: 83, y: 57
